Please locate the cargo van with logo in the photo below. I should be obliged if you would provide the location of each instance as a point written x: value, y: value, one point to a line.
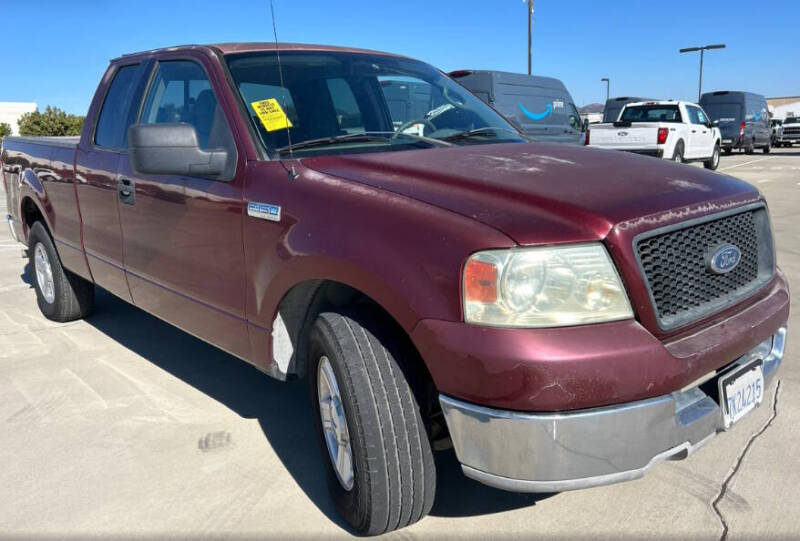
x: 743, y: 119
x: 540, y: 107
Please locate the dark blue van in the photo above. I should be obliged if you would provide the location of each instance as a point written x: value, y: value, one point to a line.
x: 743, y: 119
x: 539, y: 106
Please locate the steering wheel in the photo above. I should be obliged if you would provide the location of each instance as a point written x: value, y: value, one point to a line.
x: 424, y: 121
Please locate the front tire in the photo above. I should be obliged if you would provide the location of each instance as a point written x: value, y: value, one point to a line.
x: 365, y: 408
x: 713, y: 162
x: 61, y: 295
x: 767, y: 148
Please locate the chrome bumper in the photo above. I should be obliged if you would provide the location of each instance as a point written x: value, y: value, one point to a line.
x: 553, y: 452
x: 10, y: 222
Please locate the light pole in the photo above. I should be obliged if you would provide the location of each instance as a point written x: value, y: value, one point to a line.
x: 702, y: 50
x: 607, y: 81
x: 530, y: 31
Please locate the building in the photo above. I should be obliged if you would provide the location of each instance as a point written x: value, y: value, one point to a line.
x: 784, y: 106
x: 10, y: 111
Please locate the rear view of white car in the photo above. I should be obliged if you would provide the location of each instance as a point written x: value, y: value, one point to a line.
x: 672, y: 130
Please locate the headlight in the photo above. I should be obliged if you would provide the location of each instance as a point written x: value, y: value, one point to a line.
x: 549, y: 286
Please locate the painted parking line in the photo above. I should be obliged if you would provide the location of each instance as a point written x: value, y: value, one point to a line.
x: 743, y: 163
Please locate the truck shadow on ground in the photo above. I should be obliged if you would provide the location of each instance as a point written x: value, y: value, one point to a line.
x: 282, y: 409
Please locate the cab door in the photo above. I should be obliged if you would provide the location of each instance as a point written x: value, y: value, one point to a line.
x: 184, y: 254
x: 699, y: 134
x: 97, y: 162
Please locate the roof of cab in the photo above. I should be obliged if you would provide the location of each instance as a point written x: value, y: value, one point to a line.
x: 250, y: 47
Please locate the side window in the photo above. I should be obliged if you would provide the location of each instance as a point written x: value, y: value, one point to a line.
x: 181, y: 92
x: 348, y: 114
x: 575, y: 121
x: 692, y: 112
x: 112, y: 123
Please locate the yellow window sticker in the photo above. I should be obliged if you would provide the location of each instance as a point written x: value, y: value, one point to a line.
x: 271, y: 115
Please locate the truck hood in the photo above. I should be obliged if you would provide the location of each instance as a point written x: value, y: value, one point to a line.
x: 540, y: 193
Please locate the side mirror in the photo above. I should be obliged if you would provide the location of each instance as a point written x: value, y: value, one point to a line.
x: 715, y: 123
x: 173, y: 149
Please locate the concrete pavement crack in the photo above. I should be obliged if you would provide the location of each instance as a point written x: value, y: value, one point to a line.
x: 724, y: 488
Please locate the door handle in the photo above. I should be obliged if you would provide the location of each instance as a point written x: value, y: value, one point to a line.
x: 127, y: 191
x: 695, y: 131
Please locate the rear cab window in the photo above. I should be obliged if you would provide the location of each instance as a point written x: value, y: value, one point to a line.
x: 651, y: 113
x: 111, y: 130
x: 696, y: 115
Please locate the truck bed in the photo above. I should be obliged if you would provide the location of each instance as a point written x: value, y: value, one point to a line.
x: 638, y: 135
x: 46, y: 162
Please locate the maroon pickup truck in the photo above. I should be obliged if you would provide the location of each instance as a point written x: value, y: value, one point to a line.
x: 564, y: 317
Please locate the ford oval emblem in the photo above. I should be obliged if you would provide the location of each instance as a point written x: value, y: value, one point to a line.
x: 724, y: 259
x: 622, y: 133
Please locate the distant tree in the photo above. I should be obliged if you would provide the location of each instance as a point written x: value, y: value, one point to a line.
x: 5, y: 129
x: 53, y: 121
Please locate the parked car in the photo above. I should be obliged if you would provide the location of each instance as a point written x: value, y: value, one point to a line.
x: 541, y: 107
x: 672, y: 130
x: 565, y: 317
x: 777, y: 131
x: 743, y: 119
x: 790, y: 132
x: 614, y: 107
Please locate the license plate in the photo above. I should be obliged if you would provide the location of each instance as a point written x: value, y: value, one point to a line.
x: 741, y: 391
x: 727, y: 141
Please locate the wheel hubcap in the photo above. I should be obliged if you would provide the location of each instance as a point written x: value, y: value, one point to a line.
x: 44, y: 273
x: 334, y: 423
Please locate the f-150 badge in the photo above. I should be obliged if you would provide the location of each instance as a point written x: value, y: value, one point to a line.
x: 265, y: 211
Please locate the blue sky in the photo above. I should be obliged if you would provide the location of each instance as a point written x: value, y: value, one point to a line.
x: 54, y: 52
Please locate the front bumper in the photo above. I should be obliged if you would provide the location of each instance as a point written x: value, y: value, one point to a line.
x: 552, y: 452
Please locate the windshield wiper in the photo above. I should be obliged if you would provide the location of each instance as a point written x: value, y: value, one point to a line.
x: 486, y: 131
x: 362, y: 137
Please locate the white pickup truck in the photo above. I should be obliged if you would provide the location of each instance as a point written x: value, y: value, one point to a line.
x: 673, y: 130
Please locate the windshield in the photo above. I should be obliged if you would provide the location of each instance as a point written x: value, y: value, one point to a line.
x: 651, y: 113
x: 723, y: 112
x: 792, y: 120
x: 329, y: 97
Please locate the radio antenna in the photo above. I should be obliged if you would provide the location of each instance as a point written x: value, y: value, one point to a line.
x: 292, y: 173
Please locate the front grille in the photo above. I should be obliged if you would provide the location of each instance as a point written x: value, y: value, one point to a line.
x: 791, y: 131
x: 675, y: 264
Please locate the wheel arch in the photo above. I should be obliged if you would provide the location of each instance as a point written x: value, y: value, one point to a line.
x: 30, y: 212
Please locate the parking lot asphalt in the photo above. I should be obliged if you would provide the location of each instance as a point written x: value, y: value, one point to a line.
x: 124, y: 425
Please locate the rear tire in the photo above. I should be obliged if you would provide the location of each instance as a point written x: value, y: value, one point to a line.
x: 392, y: 478
x: 728, y: 151
x: 677, y: 156
x: 713, y: 162
x: 767, y: 148
x: 61, y: 295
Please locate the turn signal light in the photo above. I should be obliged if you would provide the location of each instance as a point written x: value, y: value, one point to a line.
x: 662, y: 135
x: 480, y: 281
x: 741, y: 129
